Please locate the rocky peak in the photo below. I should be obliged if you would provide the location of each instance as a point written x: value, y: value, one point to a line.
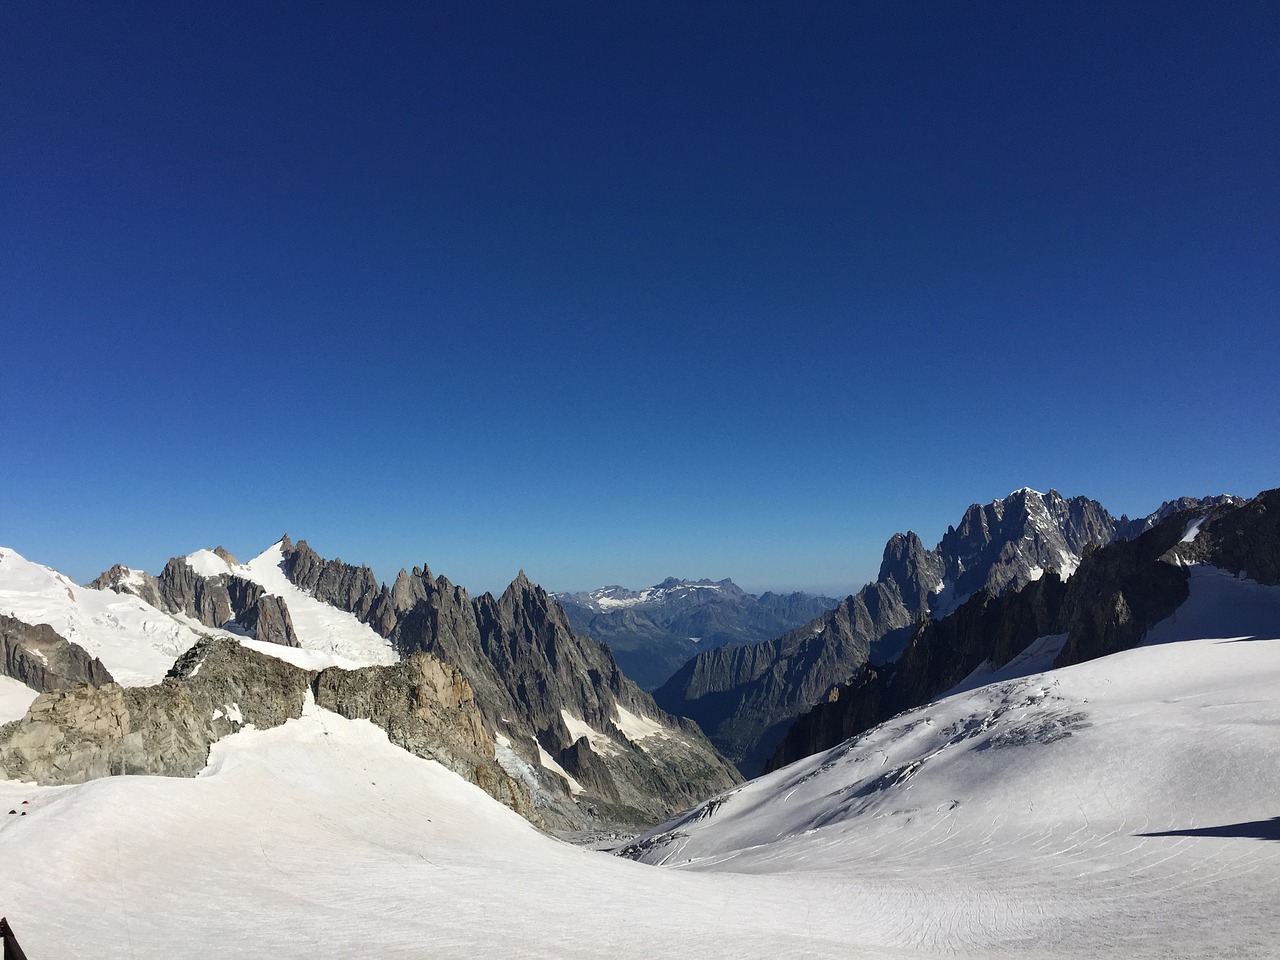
x: 529, y: 671
x: 339, y: 584
x: 226, y: 556
x: 914, y: 570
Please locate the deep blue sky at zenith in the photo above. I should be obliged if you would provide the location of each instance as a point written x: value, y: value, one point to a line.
x: 616, y: 291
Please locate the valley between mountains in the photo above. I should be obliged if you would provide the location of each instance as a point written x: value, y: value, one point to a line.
x: 1055, y: 733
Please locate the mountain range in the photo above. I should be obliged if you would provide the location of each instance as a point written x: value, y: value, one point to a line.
x: 652, y: 632
x: 746, y: 697
x: 1075, y: 760
x: 549, y: 723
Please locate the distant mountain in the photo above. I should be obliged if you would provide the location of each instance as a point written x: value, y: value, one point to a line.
x: 746, y: 697
x: 652, y: 632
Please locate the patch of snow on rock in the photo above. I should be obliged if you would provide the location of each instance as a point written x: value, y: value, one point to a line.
x: 578, y: 729
x: 299, y: 656
x: 1193, y: 529
x: 549, y: 762
x: 637, y: 728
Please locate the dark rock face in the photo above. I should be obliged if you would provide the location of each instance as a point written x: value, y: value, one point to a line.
x: 218, y: 687
x: 338, y: 584
x: 1009, y: 542
x: 1117, y: 595
x: 746, y: 697
x: 656, y: 630
x: 225, y: 601
x: 44, y: 660
x: 1244, y: 541
x: 528, y: 669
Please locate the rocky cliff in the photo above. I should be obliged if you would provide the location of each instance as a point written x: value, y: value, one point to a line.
x: 36, y: 655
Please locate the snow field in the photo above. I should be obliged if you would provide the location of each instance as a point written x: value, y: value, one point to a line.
x: 1050, y: 814
x: 319, y: 837
x: 136, y: 642
x: 1028, y: 812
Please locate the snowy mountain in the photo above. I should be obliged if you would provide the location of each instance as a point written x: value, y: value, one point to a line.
x: 746, y: 697
x: 652, y: 632
x: 1117, y: 595
x: 1121, y: 808
x: 583, y: 744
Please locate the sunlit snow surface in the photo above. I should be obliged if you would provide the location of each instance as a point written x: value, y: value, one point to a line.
x: 1053, y: 815
x: 136, y: 642
x: 15, y: 697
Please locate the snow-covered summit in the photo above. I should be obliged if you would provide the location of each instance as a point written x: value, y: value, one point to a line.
x: 319, y: 625
x: 615, y: 597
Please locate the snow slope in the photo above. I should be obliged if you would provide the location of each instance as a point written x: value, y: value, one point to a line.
x: 1129, y: 806
x: 318, y: 838
x: 15, y: 697
x: 136, y: 642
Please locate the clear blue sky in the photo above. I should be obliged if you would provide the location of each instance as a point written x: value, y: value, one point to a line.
x: 613, y: 291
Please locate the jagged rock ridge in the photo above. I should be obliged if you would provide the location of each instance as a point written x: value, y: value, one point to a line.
x: 548, y: 696
x: 225, y: 601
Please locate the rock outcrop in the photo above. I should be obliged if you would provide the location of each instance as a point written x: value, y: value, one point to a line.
x: 44, y: 660
x: 225, y: 601
x: 428, y: 708
x: 164, y: 730
x: 219, y: 687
